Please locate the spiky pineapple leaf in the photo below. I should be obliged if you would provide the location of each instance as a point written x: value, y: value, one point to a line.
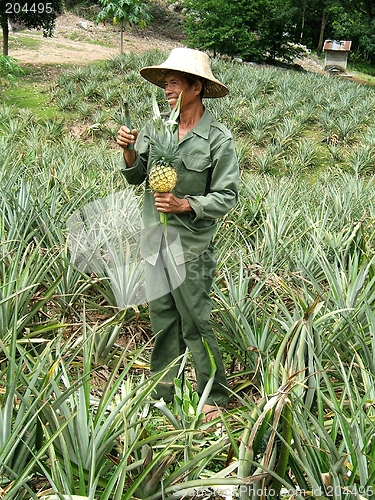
x: 164, y: 142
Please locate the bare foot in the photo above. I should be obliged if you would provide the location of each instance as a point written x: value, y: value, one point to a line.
x: 211, y: 412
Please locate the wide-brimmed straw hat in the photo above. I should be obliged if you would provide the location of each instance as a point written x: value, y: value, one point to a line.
x: 193, y: 62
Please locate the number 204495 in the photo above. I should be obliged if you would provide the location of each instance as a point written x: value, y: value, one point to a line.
x: 32, y: 8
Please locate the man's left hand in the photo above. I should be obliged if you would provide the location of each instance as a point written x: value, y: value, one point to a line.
x: 169, y: 203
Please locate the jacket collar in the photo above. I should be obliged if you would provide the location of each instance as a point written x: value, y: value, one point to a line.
x: 202, y: 128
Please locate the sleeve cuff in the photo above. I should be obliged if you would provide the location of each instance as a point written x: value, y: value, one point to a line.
x: 197, y: 207
x: 123, y: 165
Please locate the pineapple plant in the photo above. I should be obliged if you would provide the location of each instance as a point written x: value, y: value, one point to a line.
x: 162, y: 177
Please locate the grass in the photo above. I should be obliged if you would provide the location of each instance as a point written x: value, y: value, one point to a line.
x: 362, y: 71
x: 364, y: 77
x: 29, y: 41
x: 32, y: 93
x: 105, y: 42
x: 30, y: 98
x: 361, y: 67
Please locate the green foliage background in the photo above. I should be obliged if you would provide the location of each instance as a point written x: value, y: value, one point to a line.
x: 272, y: 29
x: 293, y: 300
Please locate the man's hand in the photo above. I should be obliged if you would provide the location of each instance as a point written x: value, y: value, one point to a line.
x: 125, y: 136
x: 169, y: 203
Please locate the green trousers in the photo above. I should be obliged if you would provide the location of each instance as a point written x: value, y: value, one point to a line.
x: 180, y: 319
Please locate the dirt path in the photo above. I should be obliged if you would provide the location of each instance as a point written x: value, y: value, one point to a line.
x: 78, y: 41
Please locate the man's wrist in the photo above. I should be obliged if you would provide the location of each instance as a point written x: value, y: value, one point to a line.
x: 187, y: 206
x: 129, y: 157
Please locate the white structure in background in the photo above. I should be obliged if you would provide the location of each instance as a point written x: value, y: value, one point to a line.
x: 336, y: 55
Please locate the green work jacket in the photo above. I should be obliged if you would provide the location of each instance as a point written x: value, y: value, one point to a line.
x: 208, y: 176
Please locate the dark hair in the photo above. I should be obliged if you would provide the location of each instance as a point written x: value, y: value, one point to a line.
x: 193, y: 78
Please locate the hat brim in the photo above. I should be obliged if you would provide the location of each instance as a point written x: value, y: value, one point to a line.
x: 156, y: 75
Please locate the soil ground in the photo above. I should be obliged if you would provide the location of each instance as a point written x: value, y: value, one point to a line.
x: 79, y: 41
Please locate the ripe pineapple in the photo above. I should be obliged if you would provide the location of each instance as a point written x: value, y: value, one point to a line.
x: 162, y: 177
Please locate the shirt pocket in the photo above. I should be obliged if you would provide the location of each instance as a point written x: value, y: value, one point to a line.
x: 194, y: 177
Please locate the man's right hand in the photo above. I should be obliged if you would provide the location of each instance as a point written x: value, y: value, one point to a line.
x: 126, y: 136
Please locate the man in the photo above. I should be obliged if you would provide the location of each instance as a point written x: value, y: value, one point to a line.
x: 206, y: 189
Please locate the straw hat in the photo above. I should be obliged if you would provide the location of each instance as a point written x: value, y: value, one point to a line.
x: 190, y: 61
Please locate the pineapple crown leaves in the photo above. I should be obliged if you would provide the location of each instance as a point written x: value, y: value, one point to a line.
x: 172, y: 120
x: 163, y: 142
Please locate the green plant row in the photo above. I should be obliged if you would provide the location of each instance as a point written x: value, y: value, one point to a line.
x: 293, y: 308
x: 285, y: 122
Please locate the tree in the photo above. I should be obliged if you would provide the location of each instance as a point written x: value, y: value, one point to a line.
x: 311, y: 18
x: 39, y: 14
x: 341, y: 20
x: 124, y: 11
x: 274, y: 29
x: 355, y: 21
x: 252, y: 30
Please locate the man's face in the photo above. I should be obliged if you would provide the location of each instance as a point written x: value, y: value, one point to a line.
x: 175, y: 83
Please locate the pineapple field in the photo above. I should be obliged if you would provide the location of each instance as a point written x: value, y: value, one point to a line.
x: 293, y: 297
